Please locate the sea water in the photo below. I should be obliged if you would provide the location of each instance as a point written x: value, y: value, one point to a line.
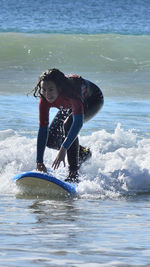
x: 107, y: 42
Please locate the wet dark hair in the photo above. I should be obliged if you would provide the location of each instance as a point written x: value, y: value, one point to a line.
x: 63, y: 84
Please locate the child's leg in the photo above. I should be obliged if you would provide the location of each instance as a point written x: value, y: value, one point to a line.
x: 56, y: 137
x: 56, y: 130
x: 72, y: 153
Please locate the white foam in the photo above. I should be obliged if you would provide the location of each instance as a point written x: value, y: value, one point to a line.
x: 119, y: 163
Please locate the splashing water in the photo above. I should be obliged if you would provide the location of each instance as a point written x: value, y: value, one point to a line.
x: 119, y: 164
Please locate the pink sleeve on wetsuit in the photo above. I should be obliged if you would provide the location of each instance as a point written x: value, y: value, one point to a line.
x: 77, y: 106
x: 44, y: 107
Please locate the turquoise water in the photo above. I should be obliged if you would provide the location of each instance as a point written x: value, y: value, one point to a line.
x: 107, y: 224
x: 80, y: 16
x: 72, y: 233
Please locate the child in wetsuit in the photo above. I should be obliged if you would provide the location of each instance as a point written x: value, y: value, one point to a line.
x: 78, y: 100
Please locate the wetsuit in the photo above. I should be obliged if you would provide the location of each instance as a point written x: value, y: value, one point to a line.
x: 68, y: 121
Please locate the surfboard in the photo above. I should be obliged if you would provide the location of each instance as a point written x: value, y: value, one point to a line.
x: 36, y: 183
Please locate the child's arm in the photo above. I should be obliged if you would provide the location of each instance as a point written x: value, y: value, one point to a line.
x: 41, y: 143
x: 42, y: 134
x: 74, y: 130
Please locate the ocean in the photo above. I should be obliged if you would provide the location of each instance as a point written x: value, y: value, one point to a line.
x: 107, y: 42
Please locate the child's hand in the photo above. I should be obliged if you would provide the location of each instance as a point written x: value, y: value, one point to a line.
x: 41, y: 167
x: 60, y: 157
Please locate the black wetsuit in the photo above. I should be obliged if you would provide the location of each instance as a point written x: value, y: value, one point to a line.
x: 93, y: 101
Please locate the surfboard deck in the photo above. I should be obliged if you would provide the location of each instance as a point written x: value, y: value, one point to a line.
x: 37, y: 183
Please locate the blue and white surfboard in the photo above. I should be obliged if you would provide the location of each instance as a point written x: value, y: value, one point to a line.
x: 43, y: 184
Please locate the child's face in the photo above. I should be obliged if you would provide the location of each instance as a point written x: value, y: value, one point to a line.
x: 49, y: 91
